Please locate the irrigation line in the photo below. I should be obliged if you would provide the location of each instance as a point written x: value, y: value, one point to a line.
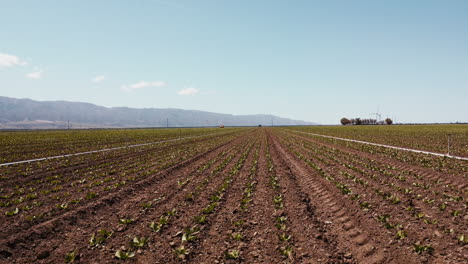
x: 102, y: 150
x: 386, y: 146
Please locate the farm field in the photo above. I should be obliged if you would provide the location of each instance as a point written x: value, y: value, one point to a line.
x: 249, y: 195
x: 422, y: 137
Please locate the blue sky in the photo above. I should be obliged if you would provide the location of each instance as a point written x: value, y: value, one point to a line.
x: 310, y: 60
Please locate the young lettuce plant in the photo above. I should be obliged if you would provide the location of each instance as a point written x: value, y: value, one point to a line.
x: 100, y: 238
x: 181, y: 252
x: 139, y: 242
x: 233, y: 254
x: 70, y: 257
x: 123, y: 255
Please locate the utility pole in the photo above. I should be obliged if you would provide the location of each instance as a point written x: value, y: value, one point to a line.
x: 68, y: 124
x: 167, y: 122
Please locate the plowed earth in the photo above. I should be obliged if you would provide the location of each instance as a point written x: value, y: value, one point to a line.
x: 254, y: 196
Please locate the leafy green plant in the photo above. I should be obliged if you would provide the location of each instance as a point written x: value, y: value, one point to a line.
x: 418, y: 248
x: 284, y: 237
x: 99, y: 238
x: 70, y: 257
x: 442, y: 206
x: 238, y: 223
x: 400, y: 234
x: 124, y: 221
x: 278, y: 200
x: 190, y: 234
x: 147, y: 205
x: 287, y: 252
x: 200, y: 219
x: 123, y: 255
x: 91, y: 195
x: 157, y: 227
x: 462, y: 239
x: 455, y: 213
x: 14, y: 212
x: 139, y: 242
x: 236, y: 236
x: 232, y: 254
x: 210, y: 208
x: 172, y: 212
x: 181, y: 252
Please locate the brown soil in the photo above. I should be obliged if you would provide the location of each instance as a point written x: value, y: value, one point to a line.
x: 276, y: 198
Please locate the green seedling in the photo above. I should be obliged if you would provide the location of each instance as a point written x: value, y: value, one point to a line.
x: 442, y: 206
x: 278, y: 200
x: 70, y: 257
x: 139, y: 242
x: 91, y: 195
x: 181, y: 252
x: 147, y: 205
x: 383, y: 218
x: 238, y: 223
x: 236, y: 236
x: 190, y: 234
x: 419, y: 215
x: 189, y: 197
x: 455, y: 213
x: 124, y: 221
x: 173, y: 212
x: 232, y: 254
x: 120, y: 254
x: 400, y: 234
x: 462, y: 239
x: 62, y: 206
x: 14, y: 212
x: 284, y: 237
x: 157, y: 227
x: 210, y: 208
x: 200, y: 219
x: 215, y: 198
x: 99, y: 238
x: 423, y: 248
x: 365, y: 206
x: 287, y: 252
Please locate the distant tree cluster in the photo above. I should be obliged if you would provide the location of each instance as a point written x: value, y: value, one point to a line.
x: 358, y: 121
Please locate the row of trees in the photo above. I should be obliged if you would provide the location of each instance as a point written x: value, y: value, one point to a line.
x: 358, y: 121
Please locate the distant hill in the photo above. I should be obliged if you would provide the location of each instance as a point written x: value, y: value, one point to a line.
x: 30, y: 114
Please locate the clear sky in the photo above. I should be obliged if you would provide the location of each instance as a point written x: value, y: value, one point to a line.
x: 311, y: 60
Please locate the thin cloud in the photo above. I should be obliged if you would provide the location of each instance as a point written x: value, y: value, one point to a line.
x: 142, y: 84
x: 7, y: 60
x: 98, y: 79
x: 188, y: 91
x: 34, y: 75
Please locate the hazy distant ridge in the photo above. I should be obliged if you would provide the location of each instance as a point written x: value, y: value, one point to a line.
x: 27, y: 113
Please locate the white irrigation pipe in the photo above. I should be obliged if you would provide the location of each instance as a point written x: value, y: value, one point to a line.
x: 386, y: 146
x: 101, y: 150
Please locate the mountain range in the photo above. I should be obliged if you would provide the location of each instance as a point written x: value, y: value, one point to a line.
x: 29, y: 114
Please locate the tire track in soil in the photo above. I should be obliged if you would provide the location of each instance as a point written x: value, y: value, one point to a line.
x: 311, y: 240
x: 357, y: 235
x: 26, y: 241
